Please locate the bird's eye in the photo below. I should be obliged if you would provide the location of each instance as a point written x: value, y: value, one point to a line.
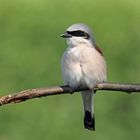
x: 78, y: 33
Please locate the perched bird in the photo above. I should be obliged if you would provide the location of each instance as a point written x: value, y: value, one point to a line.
x: 83, y: 65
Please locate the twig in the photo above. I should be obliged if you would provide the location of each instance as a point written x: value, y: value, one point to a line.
x: 42, y: 92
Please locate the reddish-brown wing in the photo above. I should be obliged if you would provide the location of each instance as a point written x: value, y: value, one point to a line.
x: 98, y: 49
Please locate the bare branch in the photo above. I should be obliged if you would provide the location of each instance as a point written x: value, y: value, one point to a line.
x: 42, y: 92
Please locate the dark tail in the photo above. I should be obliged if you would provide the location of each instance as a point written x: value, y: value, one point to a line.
x: 89, y: 121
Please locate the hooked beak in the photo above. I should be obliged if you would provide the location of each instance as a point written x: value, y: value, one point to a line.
x: 66, y: 35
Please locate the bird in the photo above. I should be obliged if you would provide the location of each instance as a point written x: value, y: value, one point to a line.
x: 83, y: 65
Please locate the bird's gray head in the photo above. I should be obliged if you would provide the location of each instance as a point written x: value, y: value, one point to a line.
x: 78, y: 34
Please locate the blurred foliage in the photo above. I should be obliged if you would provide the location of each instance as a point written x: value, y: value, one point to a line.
x: 30, y: 53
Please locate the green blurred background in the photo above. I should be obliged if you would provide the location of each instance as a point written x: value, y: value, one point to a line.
x: 30, y: 53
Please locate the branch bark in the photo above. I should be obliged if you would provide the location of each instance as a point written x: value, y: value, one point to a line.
x: 57, y: 90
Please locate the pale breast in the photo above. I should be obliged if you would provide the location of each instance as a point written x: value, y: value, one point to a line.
x: 83, y: 66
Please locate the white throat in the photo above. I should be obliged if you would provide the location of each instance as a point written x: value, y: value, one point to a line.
x: 76, y: 41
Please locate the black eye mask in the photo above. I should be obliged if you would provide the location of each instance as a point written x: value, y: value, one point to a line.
x: 78, y: 33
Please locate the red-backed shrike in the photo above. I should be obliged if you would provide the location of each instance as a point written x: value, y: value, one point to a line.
x: 83, y: 65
